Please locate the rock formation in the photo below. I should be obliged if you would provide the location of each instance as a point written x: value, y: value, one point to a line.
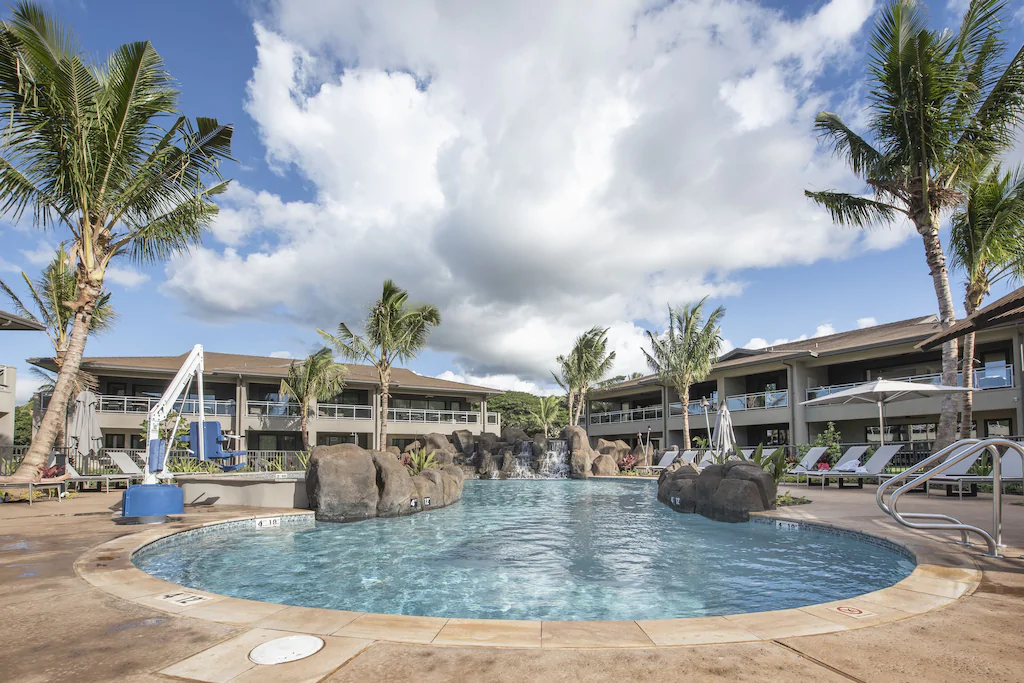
x: 604, y: 466
x: 581, y: 457
x: 346, y: 483
x: 725, y: 493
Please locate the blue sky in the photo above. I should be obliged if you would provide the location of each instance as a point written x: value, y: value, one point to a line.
x: 431, y: 147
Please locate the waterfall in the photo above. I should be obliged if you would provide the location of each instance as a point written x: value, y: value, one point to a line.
x: 555, y: 463
x: 522, y: 469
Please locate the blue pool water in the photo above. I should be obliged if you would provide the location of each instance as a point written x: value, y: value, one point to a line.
x: 533, y: 549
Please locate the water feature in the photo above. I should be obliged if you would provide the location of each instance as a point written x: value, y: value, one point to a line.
x: 522, y: 469
x: 532, y: 549
x: 555, y: 463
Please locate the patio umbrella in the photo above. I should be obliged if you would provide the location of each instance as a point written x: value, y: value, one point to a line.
x: 881, y: 392
x: 84, y: 436
x: 723, y: 439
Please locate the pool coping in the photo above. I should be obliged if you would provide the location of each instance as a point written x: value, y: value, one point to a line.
x: 943, y: 575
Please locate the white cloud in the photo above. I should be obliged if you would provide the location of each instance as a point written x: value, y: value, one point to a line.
x: 28, y: 384
x: 824, y: 330
x: 126, y: 277
x: 281, y: 354
x: 866, y: 322
x: 41, y: 255
x: 532, y: 168
x: 761, y: 343
x: 503, y: 382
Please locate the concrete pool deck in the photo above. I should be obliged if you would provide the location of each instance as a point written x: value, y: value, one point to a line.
x: 109, y: 621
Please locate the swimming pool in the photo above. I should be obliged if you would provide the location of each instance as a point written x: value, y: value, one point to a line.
x: 532, y: 549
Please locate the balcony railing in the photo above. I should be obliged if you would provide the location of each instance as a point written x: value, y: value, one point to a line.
x: 984, y: 378
x: 440, y: 416
x: 758, y: 401
x: 143, y: 404
x: 338, y: 411
x: 693, y: 408
x: 492, y: 418
x: 633, y: 415
x: 4, y: 379
x: 272, y: 409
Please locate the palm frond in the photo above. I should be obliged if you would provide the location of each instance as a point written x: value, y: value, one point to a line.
x: 847, y: 209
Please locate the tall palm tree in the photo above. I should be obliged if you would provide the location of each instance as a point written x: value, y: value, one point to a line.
x: 941, y: 104
x: 394, y: 331
x: 987, y: 244
x: 317, y: 378
x: 683, y: 355
x: 587, y: 364
x: 548, y: 413
x: 84, y: 149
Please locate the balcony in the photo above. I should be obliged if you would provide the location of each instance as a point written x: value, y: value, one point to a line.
x: 693, y: 408
x: 5, y: 379
x: 439, y: 416
x: 339, y: 411
x: 1000, y: 377
x: 759, y: 401
x: 143, y: 404
x: 634, y: 415
x: 272, y: 409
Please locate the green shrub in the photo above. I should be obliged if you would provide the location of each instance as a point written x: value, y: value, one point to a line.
x: 419, y: 460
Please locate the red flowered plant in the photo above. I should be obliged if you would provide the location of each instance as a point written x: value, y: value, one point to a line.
x: 627, y: 462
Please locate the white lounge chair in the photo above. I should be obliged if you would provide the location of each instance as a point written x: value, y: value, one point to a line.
x: 667, y: 459
x: 956, y: 471
x: 747, y: 452
x: 806, y: 465
x: 1011, y: 469
x: 871, y: 469
x: 128, y: 467
x: 852, y: 453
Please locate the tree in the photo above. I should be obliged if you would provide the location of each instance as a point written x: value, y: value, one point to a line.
x: 585, y: 366
x: 941, y: 105
x: 619, y: 378
x: 393, y: 332
x: 548, y: 413
x: 987, y: 245
x: 516, y: 409
x: 317, y: 378
x: 23, y: 424
x: 85, y: 150
x: 683, y: 355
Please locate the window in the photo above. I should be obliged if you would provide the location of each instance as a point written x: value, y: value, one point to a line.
x: 151, y: 390
x: 117, y: 389
x: 999, y: 427
x: 418, y: 404
x: 400, y: 403
x: 435, y: 404
x: 113, y: 440
x: 138, y: 442
x: 456, y: 405
x: 776, y: 437
x: 334, y: 439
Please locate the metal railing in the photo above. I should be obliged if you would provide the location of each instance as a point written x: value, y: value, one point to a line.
x: 4, y: 379
x: 339, y: 411
x: 758, y: 401
x: 272, y: 409
x: 693, y: 408
x: 984, y: 378
x: 632, y: 415
x: 143, y: 404
x: 942, y: 461
x: 440, y: 416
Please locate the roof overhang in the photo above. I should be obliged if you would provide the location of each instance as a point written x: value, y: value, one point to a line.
x: 1005, y: 311
x: 15, y: 323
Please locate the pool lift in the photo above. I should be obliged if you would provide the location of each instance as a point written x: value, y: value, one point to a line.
x: 151, y: 501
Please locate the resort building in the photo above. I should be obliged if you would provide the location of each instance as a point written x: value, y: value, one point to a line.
x: 9, y: 378
x: 764, y: 389
x: 243, y: 394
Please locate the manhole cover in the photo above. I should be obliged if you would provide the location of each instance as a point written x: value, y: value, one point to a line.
x: 287, y: 649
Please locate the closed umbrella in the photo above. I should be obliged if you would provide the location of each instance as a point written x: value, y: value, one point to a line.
x: 723, y: 440
x: 84, y: 436
x: 882, y: 392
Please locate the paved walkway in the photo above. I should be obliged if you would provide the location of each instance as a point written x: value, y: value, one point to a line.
x: 54, y: 626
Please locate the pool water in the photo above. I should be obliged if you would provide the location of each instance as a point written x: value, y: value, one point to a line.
x: 533, y: 549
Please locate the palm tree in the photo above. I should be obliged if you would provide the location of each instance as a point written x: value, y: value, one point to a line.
x: 84, y: 150
x: 317, y: 378
x: 941, y: 104
x: 987, y: 244
x: 683, y: 355
x: 393, y: 332
x: 586, y: 365
x: 549, y: 412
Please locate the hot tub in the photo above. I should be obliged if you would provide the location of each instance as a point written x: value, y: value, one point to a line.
x: 255, y: 489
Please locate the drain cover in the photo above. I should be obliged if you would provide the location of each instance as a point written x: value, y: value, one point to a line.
x: 287, y: 649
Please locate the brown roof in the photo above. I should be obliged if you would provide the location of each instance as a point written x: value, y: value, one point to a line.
x: 900, y: 332
x: 1007, y: 310
x: 11, y: 322
x: 234, y: 364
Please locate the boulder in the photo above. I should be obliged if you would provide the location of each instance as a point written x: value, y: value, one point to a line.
x: 605, y: 446
x: 463, y: 441
x: 414, y: 446
x: 727, y: 493
x: 488, y: 442
x: 508, y: 463
x: 644, y: 455
x: 395, y: 485
x: 429, y: 490
x: 444, y: 458
x: 438, y: 443
x: 748, y: 471
x: 580, y: 463
x: 576, y: 437
x: 487, y: 465
x: 513, y: 434
x: 540, y: 444
x: 734, y: 500
x: 341, y: 483
x: 708, y: 482
x: 604, y: 466
x: 451, y: 483
x: 395, y: 450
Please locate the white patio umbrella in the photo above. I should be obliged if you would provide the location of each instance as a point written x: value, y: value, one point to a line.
x: 84, y: 434
x: 881, y: 392
x: 723, y: 439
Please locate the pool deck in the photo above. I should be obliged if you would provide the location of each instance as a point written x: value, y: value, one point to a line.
x: 72, y: 606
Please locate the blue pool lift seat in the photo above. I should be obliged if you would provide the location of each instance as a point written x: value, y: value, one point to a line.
x: 213, y: 445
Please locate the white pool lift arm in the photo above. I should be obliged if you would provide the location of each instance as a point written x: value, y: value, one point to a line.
x: 178, y: 388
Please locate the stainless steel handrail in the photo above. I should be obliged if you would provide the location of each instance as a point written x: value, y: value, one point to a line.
x: 944, y: 459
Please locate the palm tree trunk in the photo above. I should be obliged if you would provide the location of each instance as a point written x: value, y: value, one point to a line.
x: 304, y: 426
x: 385, y: 395
x: 56, y: 412
x: 684, y: 398
x: 579, y: 407
x: 927, y: 224
x: 971, y: 303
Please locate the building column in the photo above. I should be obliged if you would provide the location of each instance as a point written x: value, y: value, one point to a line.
x: 798, y: 432
x: 665, y: 441
x: 1018, y: 372
x: 310, y: 424
x: 483, y: 414
x: 376, y: 421
x: 241, y: 409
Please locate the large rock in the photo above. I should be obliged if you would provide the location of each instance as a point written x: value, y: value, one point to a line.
x: 452, y: 480
x: 727, y: 493
x: 576, y: 437
x: 539, y: 444
x: 438, y: 443
x: 508, y: 463
x: 513, y: 434
x: 604, y: 466
x: 489, y: 442
x: 487, y: 465
x: 395, y: 450
x: 644, y: 455
x: 414, y: 446
x: 341, y: 483
x: 444, y: 458
x: 580, y: 463
x: 463, y: 441
x: 429, y: 490
x: 395, y: 486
